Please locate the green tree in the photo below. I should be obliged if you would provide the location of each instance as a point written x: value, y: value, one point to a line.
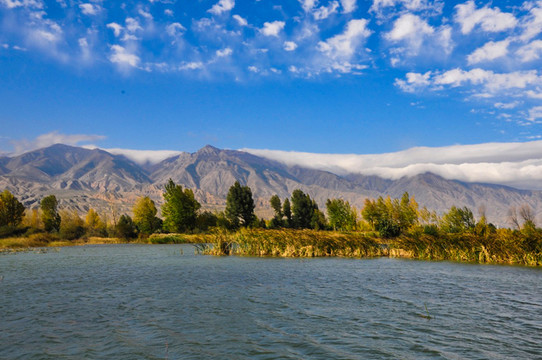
x: 457, y: 220
x: 391, y: 217
x: 341, y: 215
x: 145, y: 216
x: 11, y: 210
x: 206, y: 220
x: 125, y: 227
x: 303, y: 210
x: 287, y: 212
x: 180, y: 209
x: 49, y: 213
x: 276, y: 221
x: 240, y: 206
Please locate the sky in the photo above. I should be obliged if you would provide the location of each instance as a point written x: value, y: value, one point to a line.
x: 364, y: 77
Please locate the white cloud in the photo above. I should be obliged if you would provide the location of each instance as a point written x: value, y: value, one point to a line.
x: 168, y: 12
x: 90, y: 9
x: 117, y: 29
x: 194, y: 65
x: 132, y: 25
x: 253, y: 69
x: 489, y: 19
x: 85, y: 49
x: 222, y: 6
x: 224, y: 52
x: 54, y: 137
x: 345, y: 45
x: 530, y: 51
x: 492, y: 83
x: 123, y: 57
x: 241, y: 21
x: 410, y: 27
x: 348, y: 6
x: 324, y: 12
x: 490, y: 51
x: 535, y: 113
x: 142, y: 157
x: 533, y: 24
x: 432, y: 7
x: 11, y: 4
x: 290, y: 46
x: 308, y: 5
x: 510, y: 105
x: 515, y: 164
x: 175, y: 29
x: 414, y: 81
x: 272, y: 28
x: 147, y: 15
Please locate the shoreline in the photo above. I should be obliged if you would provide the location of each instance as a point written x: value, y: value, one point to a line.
x: 308, y: 243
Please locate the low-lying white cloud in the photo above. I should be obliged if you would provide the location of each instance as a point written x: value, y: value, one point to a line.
x: 142, y: 157
x: 54, y: 137
x: 513, y: 164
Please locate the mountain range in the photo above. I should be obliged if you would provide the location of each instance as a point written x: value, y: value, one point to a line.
x: 82, y: 178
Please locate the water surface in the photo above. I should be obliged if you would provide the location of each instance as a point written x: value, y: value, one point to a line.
x: 158, y: 302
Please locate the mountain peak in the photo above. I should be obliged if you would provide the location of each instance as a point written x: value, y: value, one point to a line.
x: 209, y: 150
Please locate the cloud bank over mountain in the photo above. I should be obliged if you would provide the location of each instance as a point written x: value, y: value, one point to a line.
x: 514, y: 164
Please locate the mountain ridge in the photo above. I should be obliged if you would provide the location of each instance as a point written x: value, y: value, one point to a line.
x: 84, y: 178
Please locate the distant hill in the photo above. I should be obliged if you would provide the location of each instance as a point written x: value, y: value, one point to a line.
x: 83, y: 178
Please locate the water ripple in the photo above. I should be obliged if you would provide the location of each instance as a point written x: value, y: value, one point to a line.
x: 153, y: 302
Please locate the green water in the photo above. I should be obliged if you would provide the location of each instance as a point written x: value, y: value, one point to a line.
x: 158, y: 302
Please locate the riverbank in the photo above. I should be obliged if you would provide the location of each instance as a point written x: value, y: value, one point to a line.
x: 41, y: 240
x: 487, y: 249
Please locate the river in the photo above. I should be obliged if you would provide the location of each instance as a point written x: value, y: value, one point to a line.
x: 164, y: 302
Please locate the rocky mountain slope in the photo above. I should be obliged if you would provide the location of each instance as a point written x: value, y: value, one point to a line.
x: 83, y: 178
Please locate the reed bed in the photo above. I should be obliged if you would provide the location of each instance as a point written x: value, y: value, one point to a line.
x: 177, y: 238
x: 293, y: 243
x: 491, y: 249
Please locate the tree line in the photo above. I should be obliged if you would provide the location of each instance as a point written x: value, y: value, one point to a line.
x: 181, y: 213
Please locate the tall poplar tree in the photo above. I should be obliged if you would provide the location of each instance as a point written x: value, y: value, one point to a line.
x: 180, y: 209
x: 240, y: 206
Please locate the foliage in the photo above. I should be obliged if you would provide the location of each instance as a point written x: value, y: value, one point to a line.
x: 240, y: 206
x: 126, y: 228
x: 206, y: 220
x: 304, y: 215
x: 457, y: 220
x: 49, y: 214
x: 11, y: 210
x: 180, y: 208
x: 276, y: 221
x: 94, y: 224
x: 287, y: 212
x: 72, y: 226
x: 341, y: 216
x: 391, y: 217
x: 145, y: 216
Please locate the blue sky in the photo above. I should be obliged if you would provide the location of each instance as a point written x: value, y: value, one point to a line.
x: 314, y: 76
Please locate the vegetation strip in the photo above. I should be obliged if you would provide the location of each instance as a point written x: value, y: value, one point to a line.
x: 389, y: 227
